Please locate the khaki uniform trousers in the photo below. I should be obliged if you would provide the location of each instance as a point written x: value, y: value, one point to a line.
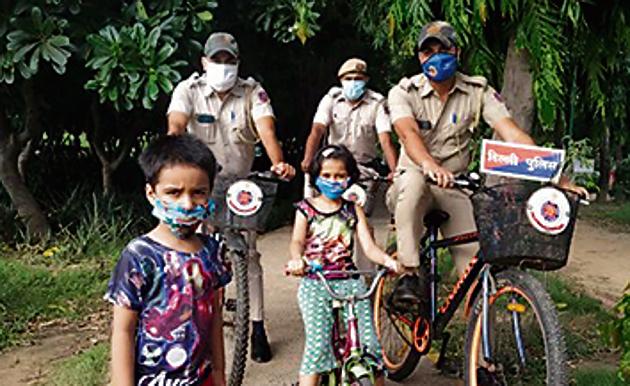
x: 412, y: 198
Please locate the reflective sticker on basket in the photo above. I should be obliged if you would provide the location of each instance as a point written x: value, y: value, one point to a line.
x: 356, y: 194
x: 549, y: 210
x: 244, y: 198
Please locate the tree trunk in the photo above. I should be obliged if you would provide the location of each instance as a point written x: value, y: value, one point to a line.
x: 12, y: 142
x: 604, y: 164
x: 517, y: 90
x: 27, y: 207
x: 112, y: 159
x: 23, y: 158
x: 106, y: 175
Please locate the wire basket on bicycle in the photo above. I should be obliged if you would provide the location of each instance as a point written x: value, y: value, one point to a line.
x: 510, y: 232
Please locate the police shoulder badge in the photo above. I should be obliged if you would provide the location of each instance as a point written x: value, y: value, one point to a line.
x: 549, y: 211
x: 244, y: 198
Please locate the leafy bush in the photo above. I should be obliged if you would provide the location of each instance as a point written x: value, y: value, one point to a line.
x: 619, y: 334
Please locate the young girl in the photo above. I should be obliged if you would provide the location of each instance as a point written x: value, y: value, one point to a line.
x: 324, y: 230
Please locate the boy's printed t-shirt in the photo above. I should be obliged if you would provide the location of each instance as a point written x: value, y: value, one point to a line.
x: 172, y: 292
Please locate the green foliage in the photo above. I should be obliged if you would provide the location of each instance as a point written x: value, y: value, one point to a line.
x: 30, y: 37
x: 287, y: 20
x: 88, y: 368
x: 597, y: 377
x: 30, y: 293
x: 132, y: 64
x: 618, y: 333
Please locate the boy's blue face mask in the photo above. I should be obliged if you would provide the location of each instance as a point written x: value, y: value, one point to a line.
x: 332, y: 189
x: 440, y: 66
x: 182, y: 222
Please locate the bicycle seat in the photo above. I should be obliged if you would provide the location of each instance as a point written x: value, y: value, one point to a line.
x: 435, y: 217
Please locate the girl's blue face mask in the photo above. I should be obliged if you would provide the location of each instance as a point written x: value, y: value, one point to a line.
x: 440, y: 66
x: 330, y: 188
x: 182, y: 222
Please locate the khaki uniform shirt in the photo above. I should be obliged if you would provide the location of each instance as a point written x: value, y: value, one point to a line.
x: 354, y: 126
x: 446, y: 128
x: 226, y: 126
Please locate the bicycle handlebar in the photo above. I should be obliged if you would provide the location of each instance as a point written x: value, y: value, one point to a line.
x: 377, y: 178
x: 266, y: 176
x: 321, y: 275
x: 472, y: 182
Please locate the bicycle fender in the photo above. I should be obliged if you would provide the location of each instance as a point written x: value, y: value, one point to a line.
x: 470, y: 298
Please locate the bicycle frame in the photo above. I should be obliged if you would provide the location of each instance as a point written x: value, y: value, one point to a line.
x: 477, y: 277
x: 352, y: 357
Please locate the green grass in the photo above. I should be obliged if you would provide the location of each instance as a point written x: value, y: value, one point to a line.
x: 31, y: 294
x: 597, y: 377
x: 616, y: 214
x: 89, y: 368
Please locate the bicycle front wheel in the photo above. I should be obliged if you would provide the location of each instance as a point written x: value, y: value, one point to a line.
x: 524, y: 335
x: 236, y: 320
x: 395, y: 332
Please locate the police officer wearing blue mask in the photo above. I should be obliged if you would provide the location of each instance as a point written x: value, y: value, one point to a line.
x: 435, y: 114
x: 356, y: 117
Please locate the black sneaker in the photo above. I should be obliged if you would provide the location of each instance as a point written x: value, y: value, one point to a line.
x: 261, y: 351
x: 411, y: 295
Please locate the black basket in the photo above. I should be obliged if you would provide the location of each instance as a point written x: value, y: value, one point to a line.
x: 223, y: 217
x: 506, y: 236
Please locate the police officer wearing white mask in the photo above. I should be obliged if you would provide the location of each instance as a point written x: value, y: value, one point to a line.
x: 231, y: 114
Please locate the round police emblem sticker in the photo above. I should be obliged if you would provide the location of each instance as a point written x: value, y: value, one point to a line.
x: 244, y: 198
x: 549, y: 211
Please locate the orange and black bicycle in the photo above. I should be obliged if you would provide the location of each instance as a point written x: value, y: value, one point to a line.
x: 513, y: 335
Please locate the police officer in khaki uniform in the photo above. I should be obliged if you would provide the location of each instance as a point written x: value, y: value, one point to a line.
x: 434, y: 114
x: 356, y: 117
x: 230, y: 114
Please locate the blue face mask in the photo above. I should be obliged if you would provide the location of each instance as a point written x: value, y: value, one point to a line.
x: 353, y: 89
x: 332, y: 189
x: 182, y: 222
x: 439, y: 67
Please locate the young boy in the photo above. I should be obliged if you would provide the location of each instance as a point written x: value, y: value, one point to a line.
x: 167, y: 325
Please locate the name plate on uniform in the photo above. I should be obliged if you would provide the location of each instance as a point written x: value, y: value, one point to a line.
x: 521, y: 161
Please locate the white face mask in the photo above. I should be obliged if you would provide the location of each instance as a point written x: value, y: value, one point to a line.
x: 221, y: 77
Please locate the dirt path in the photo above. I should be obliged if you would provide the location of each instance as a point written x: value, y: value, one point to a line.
x: 600, y: 262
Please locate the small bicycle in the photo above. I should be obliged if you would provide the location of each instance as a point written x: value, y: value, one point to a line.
x: 513, y: 335
x: 356, y: 367
x: 242, y: 208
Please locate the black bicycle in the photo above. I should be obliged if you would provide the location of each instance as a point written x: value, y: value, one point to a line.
x: 513, y: 335
x: 242, y: 209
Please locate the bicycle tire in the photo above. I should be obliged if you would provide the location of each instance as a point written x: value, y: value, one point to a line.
x: 521, y: 284
x: 240, y: 321
x: 398, y: 369
x: 364, y: 381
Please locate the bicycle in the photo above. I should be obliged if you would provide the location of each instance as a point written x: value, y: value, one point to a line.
x: 513, y: 335
x: 242, y: 208
x: 356, y: 367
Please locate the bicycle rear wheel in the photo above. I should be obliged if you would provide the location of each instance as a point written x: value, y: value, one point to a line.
x: 395, y: 332
x: 525, y: 336
x: 236, y: 320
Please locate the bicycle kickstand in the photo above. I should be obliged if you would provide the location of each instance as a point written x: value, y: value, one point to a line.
x: 442, y: 357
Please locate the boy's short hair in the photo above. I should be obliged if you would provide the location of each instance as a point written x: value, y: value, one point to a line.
x: 170, y: 150
x: 338, y: 152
